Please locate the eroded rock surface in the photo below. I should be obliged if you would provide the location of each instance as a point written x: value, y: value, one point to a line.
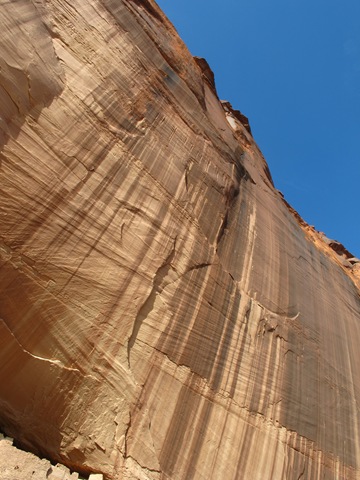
x: 164, y: 314
x: 15, y: 464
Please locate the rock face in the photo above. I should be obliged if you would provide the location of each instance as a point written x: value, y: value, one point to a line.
x: 164, y: 314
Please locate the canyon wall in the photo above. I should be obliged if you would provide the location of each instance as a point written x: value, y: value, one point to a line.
x: 164, y: 314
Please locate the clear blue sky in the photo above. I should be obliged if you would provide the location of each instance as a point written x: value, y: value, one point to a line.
x: 292, y: 67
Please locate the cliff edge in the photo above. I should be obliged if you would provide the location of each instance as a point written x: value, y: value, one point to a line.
x: 164, y: 313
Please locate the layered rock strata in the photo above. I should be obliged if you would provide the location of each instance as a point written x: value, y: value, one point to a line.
x: 164, y: 314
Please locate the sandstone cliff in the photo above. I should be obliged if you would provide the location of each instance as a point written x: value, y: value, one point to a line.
x: 164, y: 314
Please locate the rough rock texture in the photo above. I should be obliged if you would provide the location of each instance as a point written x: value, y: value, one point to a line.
x: 16, y: 464
x: 164, y: 313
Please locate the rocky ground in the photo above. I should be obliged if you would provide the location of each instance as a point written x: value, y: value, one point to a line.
x: 15, y: 464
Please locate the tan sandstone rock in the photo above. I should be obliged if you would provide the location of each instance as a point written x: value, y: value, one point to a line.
x: 16, y: 464
x: 164, y: 314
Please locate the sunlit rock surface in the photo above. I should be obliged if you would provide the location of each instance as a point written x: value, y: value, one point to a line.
x: 164, y: 313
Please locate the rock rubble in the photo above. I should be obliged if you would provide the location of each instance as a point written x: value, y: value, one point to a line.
x: 16, y: 464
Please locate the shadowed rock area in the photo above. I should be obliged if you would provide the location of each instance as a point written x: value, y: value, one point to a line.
x: 16, y: 464
x: 164, y: 313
